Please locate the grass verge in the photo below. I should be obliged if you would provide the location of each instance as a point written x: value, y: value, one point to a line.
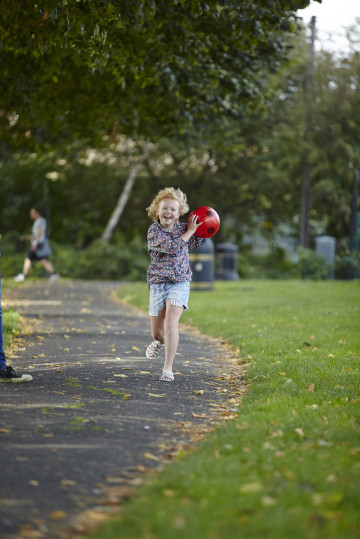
x: 288, y: 466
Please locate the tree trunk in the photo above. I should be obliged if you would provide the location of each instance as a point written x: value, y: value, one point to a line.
x: 124, y: 197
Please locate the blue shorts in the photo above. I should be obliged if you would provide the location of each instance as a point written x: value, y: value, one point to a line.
x: 159, y: 293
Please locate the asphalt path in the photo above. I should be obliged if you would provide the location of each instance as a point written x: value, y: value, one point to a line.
x: 95, y: 421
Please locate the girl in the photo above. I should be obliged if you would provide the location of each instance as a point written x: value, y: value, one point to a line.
x: 169, y: 273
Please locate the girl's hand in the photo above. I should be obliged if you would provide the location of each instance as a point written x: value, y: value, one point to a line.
x: 193, y: 224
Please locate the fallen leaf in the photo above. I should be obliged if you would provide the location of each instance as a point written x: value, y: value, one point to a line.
x: 5, y: 431
x: 121, y: 375
x: 150, y: 456
x: 199, y: 392
x: 168, y: 493
x: 34, y: 483
x: 57, y: 515
x: 157, y: 395
x: 67, y: 483
x: 311, y: 388
x: 267, y: 501
x: 251, y: 488
x: 198, y: 415
x: 299, y: 431
x: 136, y: 348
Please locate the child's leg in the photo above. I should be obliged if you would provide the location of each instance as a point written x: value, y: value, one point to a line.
x: 47, y: 265
x: 157, y: 326
x: 172, y: 317
x: 27, y: 266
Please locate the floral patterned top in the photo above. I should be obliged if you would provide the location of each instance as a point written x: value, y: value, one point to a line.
x: 169, y: 254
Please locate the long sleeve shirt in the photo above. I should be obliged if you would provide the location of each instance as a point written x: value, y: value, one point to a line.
x: 169, y: 254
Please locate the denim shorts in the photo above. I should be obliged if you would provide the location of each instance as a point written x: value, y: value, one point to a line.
x: 160, y: 292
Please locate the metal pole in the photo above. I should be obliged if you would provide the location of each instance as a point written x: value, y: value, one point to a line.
x: 354, y: 229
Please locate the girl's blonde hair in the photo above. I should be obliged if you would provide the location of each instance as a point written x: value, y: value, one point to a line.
x: 168, y: 192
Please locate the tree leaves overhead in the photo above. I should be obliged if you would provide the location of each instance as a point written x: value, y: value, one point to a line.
x: 139, y: 67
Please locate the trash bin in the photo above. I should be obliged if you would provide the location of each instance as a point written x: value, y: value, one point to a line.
x: 226, y: 267
x: 325, y: 246
x: 202, y: 266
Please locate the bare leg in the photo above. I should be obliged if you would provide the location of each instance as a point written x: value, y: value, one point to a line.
x: 27, y: 266
x: 172, y: 317
x: 157, y: 326
x: 47, y: 265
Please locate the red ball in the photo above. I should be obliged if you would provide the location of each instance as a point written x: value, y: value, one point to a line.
x: 209, y: 219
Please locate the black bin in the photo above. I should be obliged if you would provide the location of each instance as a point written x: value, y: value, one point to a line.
x: 226, y: 267
x: 202, y: 266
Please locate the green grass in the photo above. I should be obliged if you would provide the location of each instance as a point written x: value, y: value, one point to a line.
x: 11, y: 324
x: 288, y: 466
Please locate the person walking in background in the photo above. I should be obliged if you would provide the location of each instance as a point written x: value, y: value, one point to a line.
x: 39, y: 249
x: 169, y: 273
x: 7, y: 373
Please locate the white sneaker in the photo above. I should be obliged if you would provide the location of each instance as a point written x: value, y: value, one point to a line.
x: 19, y: 278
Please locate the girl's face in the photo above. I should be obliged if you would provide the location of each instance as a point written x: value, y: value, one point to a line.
x: 168, y: 213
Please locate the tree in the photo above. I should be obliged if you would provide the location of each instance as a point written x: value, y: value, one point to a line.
x: 136, y: 67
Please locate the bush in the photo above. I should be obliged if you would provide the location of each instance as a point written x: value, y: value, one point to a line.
x: 273, y: 265
x: 312, y: 265
x: 120, y: 260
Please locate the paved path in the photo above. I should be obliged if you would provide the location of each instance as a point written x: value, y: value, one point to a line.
x: 79, y: 437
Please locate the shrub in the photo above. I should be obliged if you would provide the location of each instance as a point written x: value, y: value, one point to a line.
x: 312, y: 265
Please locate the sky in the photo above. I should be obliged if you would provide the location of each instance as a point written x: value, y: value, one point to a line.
x: 332, y: 16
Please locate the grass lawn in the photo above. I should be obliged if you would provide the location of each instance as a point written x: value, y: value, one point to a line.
x: 289, y: 465
x: 11, y: 324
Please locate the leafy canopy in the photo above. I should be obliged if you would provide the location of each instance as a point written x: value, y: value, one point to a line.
x: 140, y: 67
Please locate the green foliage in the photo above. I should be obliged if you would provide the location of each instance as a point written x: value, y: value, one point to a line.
x: 80, y: 69
x: 120, y: 261
x: 11, y: 325
x: 312, y: 265
x: 274, y: 265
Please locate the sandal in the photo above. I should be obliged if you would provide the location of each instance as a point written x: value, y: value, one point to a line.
x: 167, y: 376
x: 153, y: 349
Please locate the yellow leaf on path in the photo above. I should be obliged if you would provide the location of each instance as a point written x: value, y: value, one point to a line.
x: 34, y: 483
x: 198, y: 415
x: 311, y: 388
x: 150, y: 456
x: 5, y: 431
x: 157, y: 394
x: 67, y: 483
x: 136, y: 348
x: 199, y: 392
x: 121, y: 375
x: 57, y: 515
